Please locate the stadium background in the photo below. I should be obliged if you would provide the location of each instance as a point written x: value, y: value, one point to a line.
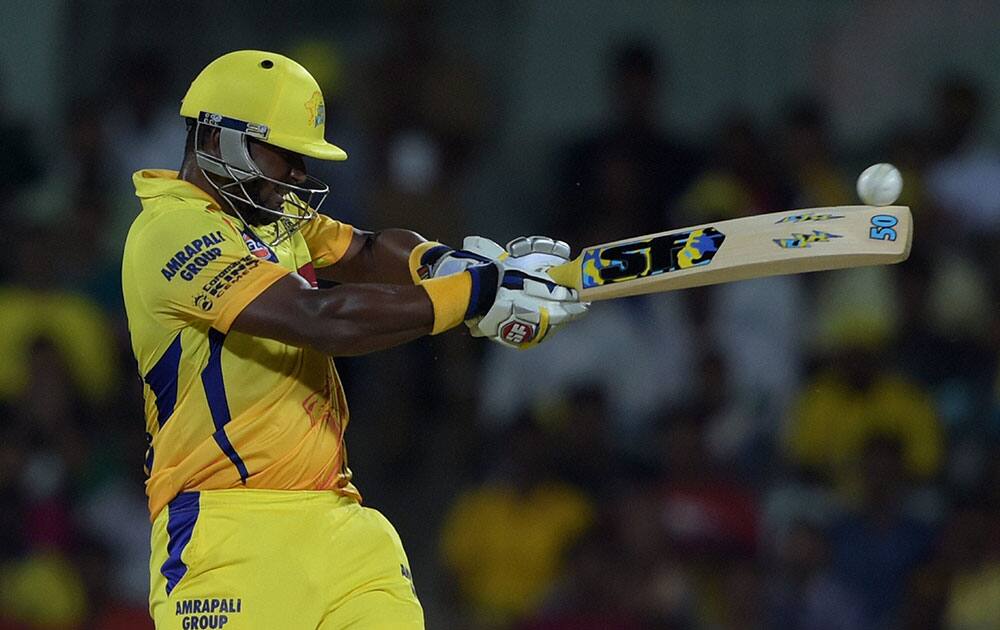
x: 803, y: 452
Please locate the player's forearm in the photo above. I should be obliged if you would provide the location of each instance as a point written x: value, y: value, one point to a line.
x: 354, y: 319
x: 362, y: 318
x: 383, y: 258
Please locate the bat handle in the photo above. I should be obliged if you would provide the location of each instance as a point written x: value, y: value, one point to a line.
x: 568, y: 274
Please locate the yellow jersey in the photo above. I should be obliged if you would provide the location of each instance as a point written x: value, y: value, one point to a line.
x: 225, y: 409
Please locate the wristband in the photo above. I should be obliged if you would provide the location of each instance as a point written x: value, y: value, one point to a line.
x: 462, y: 296
x: 450, y: 300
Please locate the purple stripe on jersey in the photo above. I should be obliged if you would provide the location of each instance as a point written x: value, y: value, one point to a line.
x: 182, y: 513
x: 223, y: 441
x: 218, y: 405
x: 162, y: 379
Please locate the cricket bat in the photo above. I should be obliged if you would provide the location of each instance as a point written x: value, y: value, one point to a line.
x: 793, y: 241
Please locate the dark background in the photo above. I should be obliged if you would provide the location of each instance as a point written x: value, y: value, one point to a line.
x: 811, y: 452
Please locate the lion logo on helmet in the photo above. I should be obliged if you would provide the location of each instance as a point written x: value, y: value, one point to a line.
x: 316, y: 109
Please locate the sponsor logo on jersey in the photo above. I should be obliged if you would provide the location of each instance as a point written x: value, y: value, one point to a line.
x: 256, y: 248
x: 203, y: 302
x: 207, y: 612
x: 193, y: 258
x: 222, y: 281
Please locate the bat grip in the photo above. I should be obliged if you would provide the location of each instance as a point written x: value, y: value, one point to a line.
x: 568, y: 274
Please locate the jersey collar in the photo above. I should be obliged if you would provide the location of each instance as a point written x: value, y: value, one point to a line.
x: 165, y: 183
x: 161, y: 182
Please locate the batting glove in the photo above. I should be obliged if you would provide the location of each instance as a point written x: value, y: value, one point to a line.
x: 528, y: 306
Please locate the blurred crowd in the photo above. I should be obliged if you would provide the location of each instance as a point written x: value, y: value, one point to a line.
x: 804, y: 452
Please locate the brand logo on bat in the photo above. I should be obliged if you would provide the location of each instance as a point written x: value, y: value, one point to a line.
x: 802, y: 217
x: 802, y: 241
x: 650, y: 256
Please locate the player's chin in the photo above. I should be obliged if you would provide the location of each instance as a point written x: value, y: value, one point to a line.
x: 274, y: 204
x: 258, y: 215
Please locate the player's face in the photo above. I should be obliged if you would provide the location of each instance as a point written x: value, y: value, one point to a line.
x: 278, y: 164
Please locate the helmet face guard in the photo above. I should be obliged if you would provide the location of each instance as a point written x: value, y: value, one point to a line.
x: 301, y: 202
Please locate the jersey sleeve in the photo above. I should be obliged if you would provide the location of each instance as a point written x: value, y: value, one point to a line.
x: 192, y: 267
x: 327, y: 239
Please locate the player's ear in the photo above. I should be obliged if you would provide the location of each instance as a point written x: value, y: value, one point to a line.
x: 203, y: 138
x: 209, y: 140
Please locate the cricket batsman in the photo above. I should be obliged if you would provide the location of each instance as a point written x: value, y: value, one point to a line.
x: 256, y: 524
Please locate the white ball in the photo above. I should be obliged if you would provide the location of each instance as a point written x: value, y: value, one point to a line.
x: 880, y: 184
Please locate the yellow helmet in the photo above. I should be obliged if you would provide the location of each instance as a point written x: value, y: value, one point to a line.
x: 266, y: 96
x: 251, y: 94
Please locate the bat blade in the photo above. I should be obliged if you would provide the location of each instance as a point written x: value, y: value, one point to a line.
x: 793, y: 241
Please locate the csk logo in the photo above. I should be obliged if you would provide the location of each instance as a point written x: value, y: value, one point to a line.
x: 316, y: 109
x: 803, y: 217
x: 802, y: 241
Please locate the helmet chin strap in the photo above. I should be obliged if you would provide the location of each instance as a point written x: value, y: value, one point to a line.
x: 235, y: 163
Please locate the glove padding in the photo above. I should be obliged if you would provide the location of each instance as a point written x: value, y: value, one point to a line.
x: 536, y: 253
x: 530, y: 253
x: 527, y: 308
